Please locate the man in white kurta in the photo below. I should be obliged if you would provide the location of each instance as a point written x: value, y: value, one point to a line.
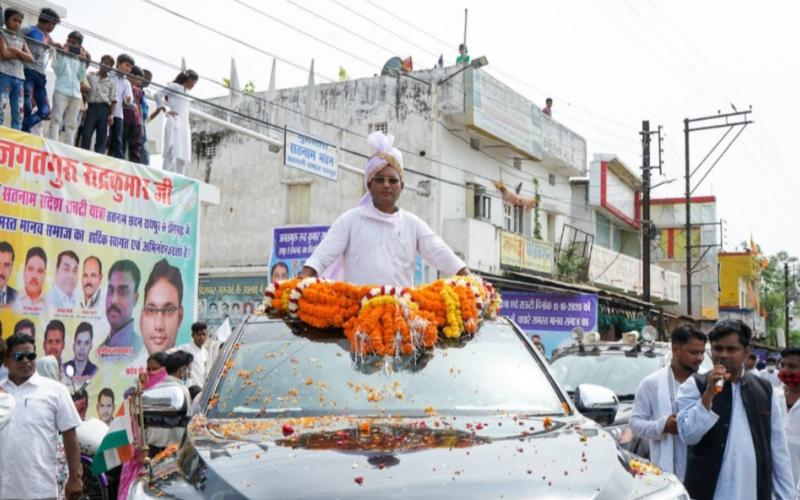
x: 199, y: 352
x: 737, y: 477
x: 377, y: 242
x: 654, y: 415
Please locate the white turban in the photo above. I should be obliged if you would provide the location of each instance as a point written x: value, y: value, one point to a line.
x: 383, y: 153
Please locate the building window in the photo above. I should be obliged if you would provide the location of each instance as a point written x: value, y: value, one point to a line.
x: 551, y: 227
x: 551, y: 179
x: 518, y: 163
x: 512, y: 218
x: 298, y: 204
x: 475, y: 144
x: 379, y: 127
x: 483, y: 204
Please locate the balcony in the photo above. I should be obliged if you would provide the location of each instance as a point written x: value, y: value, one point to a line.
x: 505, y: 118
x: 618, y: 271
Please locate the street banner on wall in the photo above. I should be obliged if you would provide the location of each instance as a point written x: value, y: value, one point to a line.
x: 97, y: 258
x: 293, y: 245
x: 233, y: 298
x: 550, y: 315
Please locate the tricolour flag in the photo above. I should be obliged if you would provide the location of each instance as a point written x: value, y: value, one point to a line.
x: 117, y: 446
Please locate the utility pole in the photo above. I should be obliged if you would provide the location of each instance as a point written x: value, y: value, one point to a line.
x: 645, y: 222
x: 729, y: 121
x: 646, y: 226
x: 785, y: 305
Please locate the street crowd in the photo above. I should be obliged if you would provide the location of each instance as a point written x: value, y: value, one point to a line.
x: 106, y: 109
x: 730, y: 433
x: 40, y: 456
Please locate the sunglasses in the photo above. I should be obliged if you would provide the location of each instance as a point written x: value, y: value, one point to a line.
x: 391, y: 180
x: 19, y: 356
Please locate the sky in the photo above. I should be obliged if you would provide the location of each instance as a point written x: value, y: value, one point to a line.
x: 608, y: 64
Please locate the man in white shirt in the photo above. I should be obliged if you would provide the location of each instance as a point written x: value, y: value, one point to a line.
x: 377, y: 242
x: 63, y: 297
x: 790, y: 392
x: 770, y: 372
x: 90, y: 282
x: 750, y: 363
x: 199, y: 352
x: 28, y: 442
x: 733, y: 424
x: 654, y: 415
x: 124, y: 96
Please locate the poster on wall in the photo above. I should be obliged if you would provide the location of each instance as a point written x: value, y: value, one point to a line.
x: 97, y: 259
x: 552, y: 316
x: 233, y: 298
x: 293, y: 245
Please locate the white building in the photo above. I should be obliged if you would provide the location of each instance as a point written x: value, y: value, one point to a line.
x: 459, y: 138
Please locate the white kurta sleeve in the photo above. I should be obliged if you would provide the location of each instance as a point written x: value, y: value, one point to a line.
x: 333, y: 245
x: 643, y: 421
x: 435, y: 251
x: 7, y: 404
x: 694, y: 419
x: 782, y: 475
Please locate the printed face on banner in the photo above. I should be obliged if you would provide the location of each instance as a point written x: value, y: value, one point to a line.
x: 161, y: 316
x: 35, y: 269
x: 83, y: 345
x: 67, y: 273
x: 54, y: 343
x: 91, y: 279
x: 121, y: 297
x: 90, y: 235
x: 6, y: 265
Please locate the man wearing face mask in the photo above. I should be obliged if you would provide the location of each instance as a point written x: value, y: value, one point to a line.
x: 790, y: 376
x: 377, y: 242
x: 770, y: 372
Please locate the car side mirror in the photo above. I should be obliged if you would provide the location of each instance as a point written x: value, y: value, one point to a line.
x: 597, y: 402
x: 164, y: 400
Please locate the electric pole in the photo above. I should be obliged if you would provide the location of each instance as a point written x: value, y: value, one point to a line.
x: 645, y: 222
x: 645, y: 225
x: 705, y: 123
x: 785, y: 305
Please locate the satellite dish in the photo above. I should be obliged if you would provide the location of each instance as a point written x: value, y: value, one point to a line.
x: 393, y: 67
x: 649, y: 333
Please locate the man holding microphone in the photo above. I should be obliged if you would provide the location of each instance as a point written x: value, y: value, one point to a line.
x: 732, y: 422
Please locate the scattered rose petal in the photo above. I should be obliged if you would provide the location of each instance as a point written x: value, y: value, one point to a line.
x: 359, y: 480
x: 287, y: 430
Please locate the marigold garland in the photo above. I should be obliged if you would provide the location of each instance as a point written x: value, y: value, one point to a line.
x: 386, y: 321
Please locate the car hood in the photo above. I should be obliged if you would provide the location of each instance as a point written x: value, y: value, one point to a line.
x: 507, y: 456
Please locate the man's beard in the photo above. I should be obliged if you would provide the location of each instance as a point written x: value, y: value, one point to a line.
x: 688, y: 368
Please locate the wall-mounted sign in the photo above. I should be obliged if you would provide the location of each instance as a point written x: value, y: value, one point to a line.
x: 312, y: 155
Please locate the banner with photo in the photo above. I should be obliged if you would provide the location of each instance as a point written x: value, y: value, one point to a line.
x: 293, y: 245
x: 552, y: 316
x: 97, y: 259
x: 229, y: 297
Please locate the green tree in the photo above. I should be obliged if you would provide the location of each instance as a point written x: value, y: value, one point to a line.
x: 772, y: 294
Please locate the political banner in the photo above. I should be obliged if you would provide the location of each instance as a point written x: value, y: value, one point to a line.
x: 229, y: 297
x: 551, y: 315
x: 97, y: 260
x: 293, y: 245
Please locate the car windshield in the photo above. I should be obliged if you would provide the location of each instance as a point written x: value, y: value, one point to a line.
x: 616, y: 371
x: 276, y: 371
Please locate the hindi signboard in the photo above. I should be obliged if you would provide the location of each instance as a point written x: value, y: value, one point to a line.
x: 311, y: 155
x: 550, y: 315
x: 97, y: 257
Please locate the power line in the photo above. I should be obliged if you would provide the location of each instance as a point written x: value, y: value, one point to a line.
x: 232, y: 38
x: 383, y: 28
x: 309, y: 35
